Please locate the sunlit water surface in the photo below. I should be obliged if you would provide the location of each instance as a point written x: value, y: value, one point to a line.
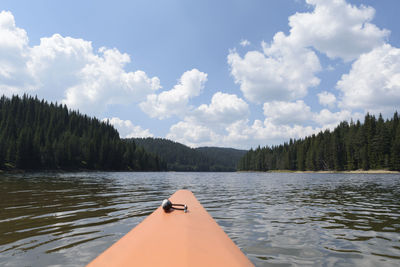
x: 277, y: 219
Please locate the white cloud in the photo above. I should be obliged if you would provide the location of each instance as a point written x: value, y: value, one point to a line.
x: 224, y: 122
x: 282, y: 123
x: 67, y: 69
x: 275, y: 129
x: 264, y: 133
x: 207, y: 125
x: 287, y: 66
x: 327, y: 99
x: 276, y: 133
x: 284, y: 71
x: 337, y: 29
x: 286, y: 113
x: 223, y: 109
x: 329, y: 120
x: 88, y: 81
x: 11, y: 36
x: 127, y: 129
x: 373, y: 83
x: 175, y: 101
x: 14, y: 54
x: 244, y: 43
x: 192, y: 134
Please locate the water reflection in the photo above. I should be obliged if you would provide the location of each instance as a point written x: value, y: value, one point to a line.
x: 335, y: 220
x: 52, y: 213
x: 276, y: 219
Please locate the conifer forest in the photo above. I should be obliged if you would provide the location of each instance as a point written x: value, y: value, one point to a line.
x: 37, y: 135
x: 374, y: 144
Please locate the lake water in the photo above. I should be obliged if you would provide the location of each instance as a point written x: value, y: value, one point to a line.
x: 277, y: 219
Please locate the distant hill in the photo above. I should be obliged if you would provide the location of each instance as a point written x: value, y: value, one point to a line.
x: 179, y: 157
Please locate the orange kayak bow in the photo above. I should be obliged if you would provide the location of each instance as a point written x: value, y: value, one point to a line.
x: 175, y: 238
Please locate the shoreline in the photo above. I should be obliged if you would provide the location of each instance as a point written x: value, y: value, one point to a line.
x: 344, y: 172
x: 15, y: 171
x: 348, y: 172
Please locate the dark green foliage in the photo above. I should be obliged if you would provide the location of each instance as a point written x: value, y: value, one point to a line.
x: 395, y: 151
x: 372, y: 145
x: 35, y: 135
x: 179, y: 157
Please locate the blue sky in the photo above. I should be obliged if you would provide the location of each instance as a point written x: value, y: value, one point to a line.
x: 207, y: 73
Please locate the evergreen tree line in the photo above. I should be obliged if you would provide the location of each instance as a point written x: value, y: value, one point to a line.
x: 36, y: 135
x: 179, y: 157
x: 375, y: 144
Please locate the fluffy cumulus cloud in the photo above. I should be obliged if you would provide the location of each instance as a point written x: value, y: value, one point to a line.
x: 327, y: 99
x: 278, y: 125
x: 223, y: 109
x: 87, y: 80
x: 287, y: 113
x: 14, y: 55
x: 373, y: 83
x: 239, y: 134
x: 264, y: 132
x: 209, y: 124
x: 282, y: 71
x: 224, y: 122
x: 329, y: 120
x: 276, y: 133
x: 67, y: 69
x: 287, y: 67
x: 193, y: 134
x: 175, y: 101
x: 127, y: 129
x: 337, y: 28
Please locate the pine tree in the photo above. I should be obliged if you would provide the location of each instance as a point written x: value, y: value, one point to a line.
x: 395, y: 158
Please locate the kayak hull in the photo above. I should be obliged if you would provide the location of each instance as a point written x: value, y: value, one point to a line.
x: 175, y: 239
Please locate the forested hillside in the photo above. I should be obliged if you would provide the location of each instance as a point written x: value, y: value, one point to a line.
x: 182, y: 158
x: 375, y: 144
x: 36, y: 135
x: 223, y: 156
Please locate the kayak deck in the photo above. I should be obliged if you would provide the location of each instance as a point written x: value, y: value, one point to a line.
x: 175, y: 239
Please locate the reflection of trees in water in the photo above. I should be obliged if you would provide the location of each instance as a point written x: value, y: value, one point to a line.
x: 365, y: 206
x: 60, y: 206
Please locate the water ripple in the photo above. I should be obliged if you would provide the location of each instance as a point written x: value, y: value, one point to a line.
x: 276, y: 219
